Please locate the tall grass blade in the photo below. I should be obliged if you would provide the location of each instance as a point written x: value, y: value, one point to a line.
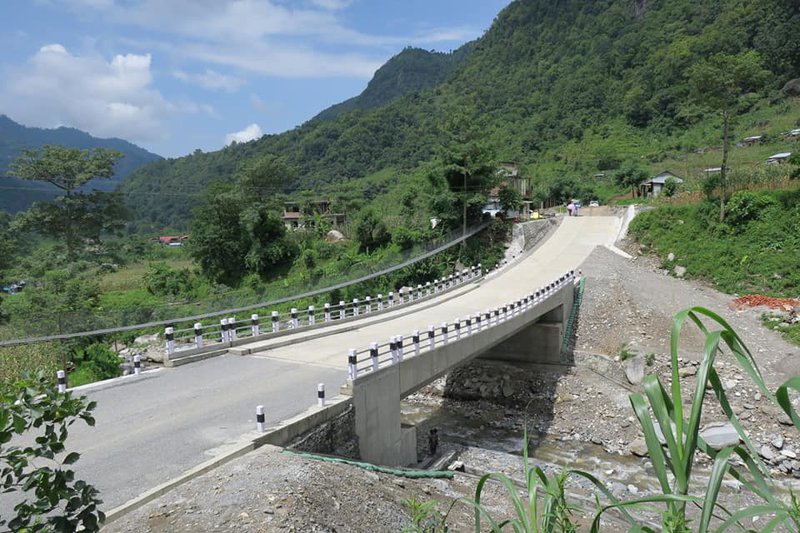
x: 712, y: 490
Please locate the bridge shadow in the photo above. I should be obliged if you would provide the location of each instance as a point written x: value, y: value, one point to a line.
x: 489, y: 405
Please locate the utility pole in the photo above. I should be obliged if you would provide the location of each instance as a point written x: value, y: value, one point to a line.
x: 464, y: 209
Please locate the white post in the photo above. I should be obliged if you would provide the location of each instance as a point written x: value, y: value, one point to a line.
x: 444, y: 333
x: 254, y: 326
x: 368, y: 308
x: 260, y: 418
x: 355, y: 306
x: 458, y: 328
x: 402, y: 295
x: 352, y: 364
x: 373, y: 353
x: 223, y: 330
x: 311, y: 318
x: 431, y: 337
x: 427, y: 288
x: 169, y: 335
x: 327, y: 310
x: 342, y: 310
x: 380, y: 302
x: 295, y: 319
x: 232, y: 329
x: 321, y: 394
x: 276, y: 323
x: 393, y: 350
x: 391, y: 298
x: 399, y: 341
x: 469, y: 325
x: 435, y: 285
x: 198, y: 335
x: 137, y: 364
x: 61, y: 378
x: 415, y: 340
x: 480, y: 269
x: 419, y: 291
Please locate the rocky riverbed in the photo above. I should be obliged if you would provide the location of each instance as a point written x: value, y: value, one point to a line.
x: 576, y: 416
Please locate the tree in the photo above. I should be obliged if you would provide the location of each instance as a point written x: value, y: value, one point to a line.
x: 53, y: 499
x: 670, y: 187
x: 630, y: 175
x: 370, y: 231
x: 262, y: 179
x: 720, y: 84
x: 510, y: 199
x: 76, y: 215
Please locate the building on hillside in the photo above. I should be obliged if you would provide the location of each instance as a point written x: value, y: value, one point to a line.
x: 712, y: 170
x: 296, y: 218
x: 793, y: 135
x: 750, y: 141
x: 655, y: 185
x: 779, y: 159
x: 172, y: 240
x: 510, y: 176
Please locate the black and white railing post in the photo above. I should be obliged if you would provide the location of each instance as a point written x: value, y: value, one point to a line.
x: 496, y: 316
x: 373, y: 354
x: 480, y: 269
x: 393, y: 350
x: 435, y: 285
x: 295, y: 319
x: 469, y: 325
x: 355, y: 306
x: 402, y: 295
x: 505, y: 313
x: 276, y: 322
x: 260, y: 419
x: 255, y: 327
x: 478, y: 322
x: 223, y: 330
x: 312, y: 319
x: 61, y: 380
x: 342, y: 310
x: 419, y: 291
x: 427, y: 288
x: 368, y: 306
x: 415, y: 341
x: 198, y: 335
x: 450, y: 281
x: 321, y: 394
x: 457, y: 324
x: 352, y: 364
x: 391, y: 298
x: 137, y: 365
x: 431, y: 337
x: 169, y: 336
x: 445, y: 339
x: 380, y: 302
x: 399, y: 341
x: 327, y: 311
x: 231, y: 329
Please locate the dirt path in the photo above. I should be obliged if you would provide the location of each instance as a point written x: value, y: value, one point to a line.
x: 625, y: 301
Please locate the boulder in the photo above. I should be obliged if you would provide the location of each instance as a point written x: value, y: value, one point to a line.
x: 147, y: 339
x: 680, y: 271
x: 634, y: 369
x: 720, y: 435
x: 638, y: 447
x: 671, y: 257
x: 792, y: 87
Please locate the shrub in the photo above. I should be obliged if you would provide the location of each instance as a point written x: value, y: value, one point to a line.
x: 161, y: 280
x: 99, y: 363
x: 744, y: 207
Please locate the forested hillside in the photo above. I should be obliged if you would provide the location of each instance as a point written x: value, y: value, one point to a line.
x: 18, y: 195
x: 563, y: 88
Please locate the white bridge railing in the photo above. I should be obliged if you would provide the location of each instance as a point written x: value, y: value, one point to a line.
x: 379, y: 355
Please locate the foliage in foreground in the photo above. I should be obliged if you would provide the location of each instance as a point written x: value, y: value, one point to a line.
x: 52, y: 499
x: 545, y: 507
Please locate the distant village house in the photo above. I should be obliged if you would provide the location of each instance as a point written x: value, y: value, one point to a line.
x: 173, y: 240
x: 779, y: 159
x: 655, y: 185
x: 294, y: 218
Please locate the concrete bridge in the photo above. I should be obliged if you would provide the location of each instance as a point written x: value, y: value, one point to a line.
x: 152, y: 428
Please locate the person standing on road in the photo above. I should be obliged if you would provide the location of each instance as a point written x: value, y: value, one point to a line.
x: 570, y: 208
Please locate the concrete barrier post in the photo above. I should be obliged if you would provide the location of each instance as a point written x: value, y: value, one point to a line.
x: 312, y: 319
x: 400, y: 353
x: 373, y: 354
x: 450, y: 281
x: 198, y: 335
x: 393, y: 350
x: 295, y: 320
x: 61, y: 380
x: 480, y: 269
x: 223, y: 330
x: 505, y: 313
x: 478, y: 322
x: 415, y: 341
x: 469, y: 326
x: 355, y: 306
x: 260, y: 419
x: 419, y: 292
x: 457, y: 324
x: 435, y: 285
x: 137, y: 364
x: 276, y: 323
x: 380, y: 302
x: 342, y: 310
x: 431, y: 338
x: 368, y: 308
x: 321, y: 394
x: 391, y: 299
x: 352, y: 364
x: 169, y: 336
x: 496, y: 316
x: 444, y: 333
x: 427, y: 288
x: 254, y: 326
x: 231, y: 329
x: 327, y: 311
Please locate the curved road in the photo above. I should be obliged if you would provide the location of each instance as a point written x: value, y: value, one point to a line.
x: 153, y: 428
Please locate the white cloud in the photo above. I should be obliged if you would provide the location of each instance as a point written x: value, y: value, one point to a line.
x: 106, y: 98
x: 211, y: 80
x: 251, y: 132
x: 333, y: 5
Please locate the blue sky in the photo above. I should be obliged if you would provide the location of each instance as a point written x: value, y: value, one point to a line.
x: 177, y: 75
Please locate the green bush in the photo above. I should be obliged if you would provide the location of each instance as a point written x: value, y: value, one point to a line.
x: 99, y: 362
x: 744, y: 207
x: 161, y: 280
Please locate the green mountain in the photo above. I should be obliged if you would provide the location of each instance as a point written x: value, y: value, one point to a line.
x: 18, y: 195
x: 563, y: 88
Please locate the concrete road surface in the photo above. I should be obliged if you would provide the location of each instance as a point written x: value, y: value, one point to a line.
x: 151, y: 429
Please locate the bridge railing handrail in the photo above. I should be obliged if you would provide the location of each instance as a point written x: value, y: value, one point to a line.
x: 366, y: 360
